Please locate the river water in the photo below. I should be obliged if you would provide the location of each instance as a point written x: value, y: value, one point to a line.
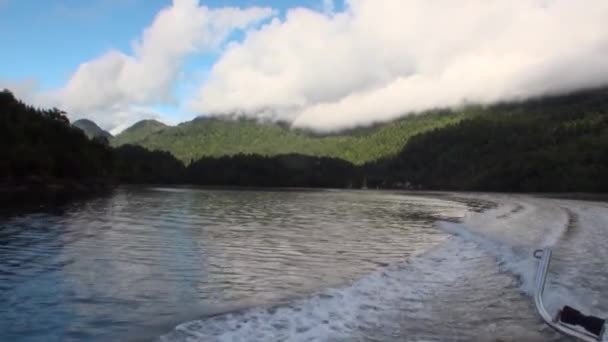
x: 178, y: 264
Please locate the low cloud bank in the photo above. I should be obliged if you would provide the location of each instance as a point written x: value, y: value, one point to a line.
x: 378, y: 59
x: 344, y: 64
x: 114, y: 87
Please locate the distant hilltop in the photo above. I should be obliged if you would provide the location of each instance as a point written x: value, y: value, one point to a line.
x: 91, y: 129
x: 548, y: 144
x: 219, y: 136
x: 216, y: 137
x: 138, y: 132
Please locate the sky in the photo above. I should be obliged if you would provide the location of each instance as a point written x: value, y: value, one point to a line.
x: 320, y: 64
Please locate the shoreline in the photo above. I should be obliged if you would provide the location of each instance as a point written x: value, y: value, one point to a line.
x: 35, y: 195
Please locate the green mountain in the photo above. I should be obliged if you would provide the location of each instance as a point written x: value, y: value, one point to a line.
x: 204, y: 137
x: 557, y: 143
x: 91, y: 130
x: 138, y: 132
x: 550, y: 144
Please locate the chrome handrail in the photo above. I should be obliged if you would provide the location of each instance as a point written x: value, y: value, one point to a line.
x: 541, y: 276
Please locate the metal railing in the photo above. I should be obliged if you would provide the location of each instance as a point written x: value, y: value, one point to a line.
x: 541, y: 276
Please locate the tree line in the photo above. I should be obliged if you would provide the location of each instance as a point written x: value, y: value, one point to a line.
x: 552, y: 144
x: 135, y: 164
x: 218, y: 137
x: 41, y: 147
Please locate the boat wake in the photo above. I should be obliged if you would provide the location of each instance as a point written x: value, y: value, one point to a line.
x: 476, y: 285
x: 577, y: 231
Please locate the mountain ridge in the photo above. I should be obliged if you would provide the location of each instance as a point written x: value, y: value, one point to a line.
x: 91, y: 129
x: 138, y: 131
x: 217, y: 136
x: 552, y: 144
x: 221, y: 136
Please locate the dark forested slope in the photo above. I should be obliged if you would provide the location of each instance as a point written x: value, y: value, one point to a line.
x: 91, y: 130
x: 42, y: 151
x: 290, y: 170
x: 557, y: 143
x: 137, y: 165
x: 41, y: 146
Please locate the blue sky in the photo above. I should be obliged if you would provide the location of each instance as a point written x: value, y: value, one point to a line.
x: 49, y: 39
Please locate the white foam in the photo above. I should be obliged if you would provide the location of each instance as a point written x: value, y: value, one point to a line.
x: 521, y: 224
x: 482, y: 247
x: 453, y: 292
x: 346, y: 313
x: 515, y: 259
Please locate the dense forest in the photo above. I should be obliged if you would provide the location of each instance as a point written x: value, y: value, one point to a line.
x: 135, y: 164
x: 40, y: 146
x: 91, y: 130
x: 557, y: 144
x: 215, y: 137
x: 43, y: 151
x: 138, y: 132
x: 290, y: 170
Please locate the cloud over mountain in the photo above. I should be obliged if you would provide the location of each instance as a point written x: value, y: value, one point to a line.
x: 378, y: 59
x: 108, y: 87
x: 339, y: 65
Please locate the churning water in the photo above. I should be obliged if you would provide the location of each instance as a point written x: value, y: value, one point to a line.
x: 210, y: 265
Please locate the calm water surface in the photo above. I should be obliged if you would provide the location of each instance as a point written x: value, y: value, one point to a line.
x: 205, y: 265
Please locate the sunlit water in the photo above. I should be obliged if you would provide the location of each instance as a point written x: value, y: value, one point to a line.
x: 211, y: 265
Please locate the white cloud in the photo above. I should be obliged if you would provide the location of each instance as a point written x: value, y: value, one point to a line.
x: 26, y: 89
x: 107, y: 89
x: 133, y: 115
x: 378, y: 59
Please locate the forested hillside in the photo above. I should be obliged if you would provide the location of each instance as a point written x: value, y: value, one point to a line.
x: 214, y: 137
x: 552, y: 144
x: 289, y: 170
x: 44, y: 154
x: 91, y: 130
x: 557, y: 144
x: 40, y: 146
x: 137, y: 132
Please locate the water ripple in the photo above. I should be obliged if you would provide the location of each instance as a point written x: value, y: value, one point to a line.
x: 142, y: 259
